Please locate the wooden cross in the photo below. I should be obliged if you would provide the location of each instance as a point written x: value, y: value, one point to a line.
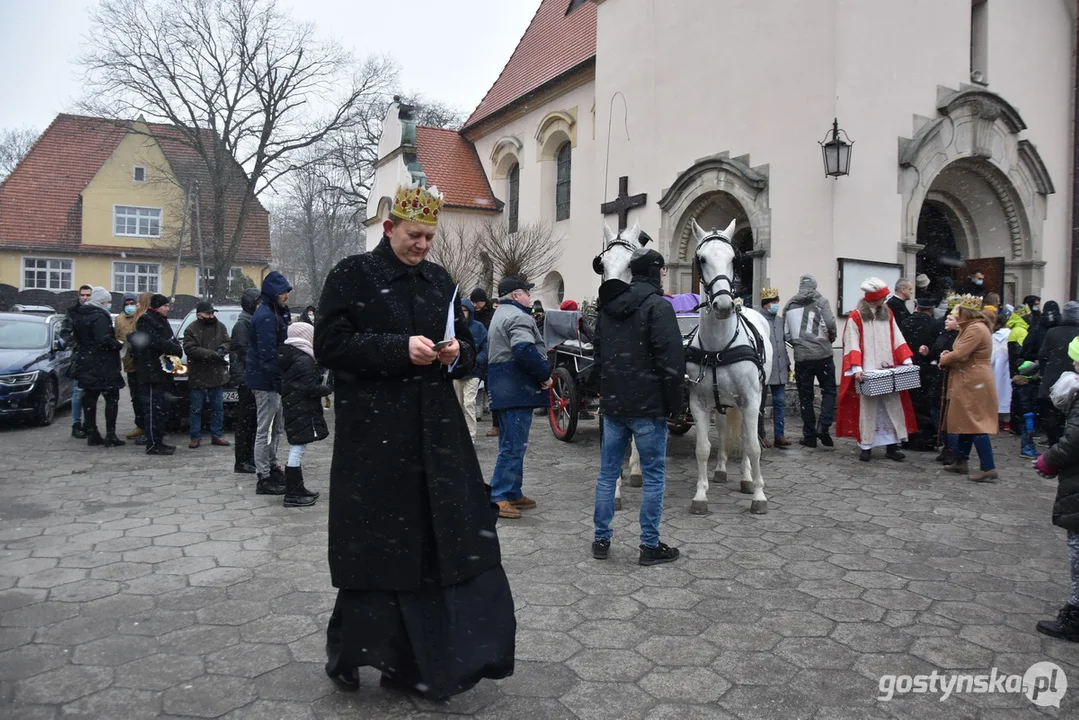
x: 623, y: 203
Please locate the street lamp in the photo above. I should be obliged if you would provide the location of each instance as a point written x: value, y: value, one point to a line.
x: 836, y: 151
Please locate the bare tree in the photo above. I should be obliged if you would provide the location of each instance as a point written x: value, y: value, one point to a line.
x: 456, y: 249
x: 14, y: 144
x: 243, y: 85
x: 530, y: 253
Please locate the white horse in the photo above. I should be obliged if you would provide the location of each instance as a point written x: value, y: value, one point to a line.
x: 613, y: 264
x: 730, y: 373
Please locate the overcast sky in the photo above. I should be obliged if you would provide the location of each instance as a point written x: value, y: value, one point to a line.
x: 449, y: 50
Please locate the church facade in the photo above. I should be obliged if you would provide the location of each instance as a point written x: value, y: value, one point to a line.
x: 960, y: 114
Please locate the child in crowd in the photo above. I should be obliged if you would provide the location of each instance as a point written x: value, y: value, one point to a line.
x: 301, y: 394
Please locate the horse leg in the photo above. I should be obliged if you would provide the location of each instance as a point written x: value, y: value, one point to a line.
x: 701, y: 416
x: 636, y: 479
x: 734, y: 423
x: 752, y: 479
x: 719, y: 475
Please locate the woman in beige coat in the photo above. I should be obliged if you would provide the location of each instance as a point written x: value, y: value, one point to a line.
x: 971, y: 394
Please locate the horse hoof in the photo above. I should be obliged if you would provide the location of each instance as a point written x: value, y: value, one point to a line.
x: 618, y: 503
x: 719, y: 476
x: 636, y: 481
x: 759, y: 507
x: 747, y: 487
x: 698, y: 507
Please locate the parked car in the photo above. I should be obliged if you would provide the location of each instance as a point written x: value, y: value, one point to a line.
x: 228, y: 315
x: 175, y: 324
x: 33, y: 366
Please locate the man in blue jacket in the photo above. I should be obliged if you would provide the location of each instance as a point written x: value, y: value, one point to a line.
x: 467, y: 387
x: 269, y: 328
x: 518, y: 377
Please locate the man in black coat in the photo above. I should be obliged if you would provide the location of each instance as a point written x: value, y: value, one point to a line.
x: 422, y: 595
x: 153, y: 338
x: 921, y: 331
x: 484, y: 311
x: 1054, y: 361
x: 902, y: 292
x: 67, y: 334
x: 641, y: 364
x: 246, y: 410
x: 100, y: 373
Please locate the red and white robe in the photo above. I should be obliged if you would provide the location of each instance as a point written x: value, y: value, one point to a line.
x: 873, y: 345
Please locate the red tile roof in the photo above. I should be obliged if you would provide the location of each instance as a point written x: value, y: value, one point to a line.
x: 553, y: 43
x: 41, y: 201
x: 451, y: 163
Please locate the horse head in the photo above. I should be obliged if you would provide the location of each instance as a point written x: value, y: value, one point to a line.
x: 715, y: 256
x: 613, y: 262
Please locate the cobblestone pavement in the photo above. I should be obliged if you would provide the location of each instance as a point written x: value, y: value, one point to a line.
x: 136, y: 587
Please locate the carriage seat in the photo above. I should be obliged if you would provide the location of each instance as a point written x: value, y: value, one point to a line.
x: 585, y: 348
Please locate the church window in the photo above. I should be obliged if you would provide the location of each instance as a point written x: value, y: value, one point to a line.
x: 562, y: 185
x: 574, y: 4
x: 979, y: 41
x: 514, y: 202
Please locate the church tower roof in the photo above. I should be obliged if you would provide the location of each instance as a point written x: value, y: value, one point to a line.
x: 561, y: 37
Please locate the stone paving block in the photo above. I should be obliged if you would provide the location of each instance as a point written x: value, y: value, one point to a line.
x: 272, y: 710
x: 30, y: 660
x: 608, y: 701
x: 115, y: 703
x: 545, y: 645
x: 696, y: 685
x: 158, y: 672
x: 156, y: 623
x: 199, y: 639
x: 750, y: 703
x: 548, y: 617
x: 278, y: 629
x: 84, y: 590
x: 208, y: 696
x: 232, y: 612
x: 155, y: 585
x: 249, y: 660
x: 744, y: 637
x: 76, y: 631
x: 952, y: 653
x: 52, y: 577
x: 38, y: 614
x: 675, y: 651
x: 115, y: 650
x: 62, y: 684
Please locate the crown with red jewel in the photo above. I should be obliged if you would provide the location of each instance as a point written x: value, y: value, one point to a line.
x: 417, y: 204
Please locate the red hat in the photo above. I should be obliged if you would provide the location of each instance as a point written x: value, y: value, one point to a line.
x: 569, y: 305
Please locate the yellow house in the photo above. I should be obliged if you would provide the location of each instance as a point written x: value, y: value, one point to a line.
x: 98, y: 202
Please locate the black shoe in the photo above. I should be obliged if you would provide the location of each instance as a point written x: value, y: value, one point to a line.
x: 825, y: 439
x: 160, y: 450
x: 1065, y: 627
x: 866, y: 455
x: 893, y: 453
x: 77, y: 432
x: 93, y: 437
x: 141, y: 441
x: 347, y: 681
x: 267, y: 486
x: 658, y: 555
x: 112, y: 441
x: 296, y: 495
x: 600, y: 549
x: 809, y: 441
x: 244, y: 468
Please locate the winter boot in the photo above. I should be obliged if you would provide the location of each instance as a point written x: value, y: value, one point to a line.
x: 267, y: 485
x: 1029, y: 449
x: 1065, y: 627
x: 93, y: 437
x: 296, y: 495
x: 77, y: 432
x: 112, y: 441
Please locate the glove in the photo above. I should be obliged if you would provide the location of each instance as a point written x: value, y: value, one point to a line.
x: 1041, y: 466
x: 1028, y: 368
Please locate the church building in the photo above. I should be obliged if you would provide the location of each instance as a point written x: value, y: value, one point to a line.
x: 946, y: 127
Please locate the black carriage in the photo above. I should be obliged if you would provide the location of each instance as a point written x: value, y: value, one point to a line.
x: 575, y: 389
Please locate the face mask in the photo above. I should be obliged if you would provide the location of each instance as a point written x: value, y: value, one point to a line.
x: 129, y: 309
x: 108, y: 308
x: 1034, y: 308
x: 978, y: 282
x: 773, y: 308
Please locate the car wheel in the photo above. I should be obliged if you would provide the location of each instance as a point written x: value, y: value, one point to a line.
x: 46, y: 404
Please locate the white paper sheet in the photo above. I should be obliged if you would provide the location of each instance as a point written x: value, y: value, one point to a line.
x: 450, y: 316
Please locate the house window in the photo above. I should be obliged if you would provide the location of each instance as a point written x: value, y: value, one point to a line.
x: 574, y: 4
x: 137, y: 221
x: 46, y: 274
x: 135, y: 277
x: 979, y: 41
x: 234, y: 275
x: 514, y: 197
x: 562, y: 185
x: 139, y: 174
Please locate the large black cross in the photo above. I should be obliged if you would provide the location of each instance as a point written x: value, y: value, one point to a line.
x: 623, y: 203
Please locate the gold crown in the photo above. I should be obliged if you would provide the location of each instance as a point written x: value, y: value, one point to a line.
x: 970, y: 302
x: 417, y: 204
x: 769, y: 293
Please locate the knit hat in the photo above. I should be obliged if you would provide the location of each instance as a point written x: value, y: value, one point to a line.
x: 478, y: 295
x: 130, y: 296
x: 1073, y: 349
x: 1070, y: 313
x: 158, y: 301
x: 100, y: 297
x: 304, y: 331
x: 921, y: 280
x: 570, y: 305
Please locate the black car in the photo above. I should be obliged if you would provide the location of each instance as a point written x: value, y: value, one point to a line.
x: 227, y: 315
x: 33, y: 366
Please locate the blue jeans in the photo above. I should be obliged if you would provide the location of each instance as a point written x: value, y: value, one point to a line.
x: 508, y: 476
x: 984, y: 446
x: 217, y: 411
x: 650, y: 436
x: 295, y: 455
x: 76, y: 404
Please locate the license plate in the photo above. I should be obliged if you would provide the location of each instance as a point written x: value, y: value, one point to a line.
x: 231, y: 396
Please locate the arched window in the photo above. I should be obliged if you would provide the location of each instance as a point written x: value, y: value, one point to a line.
x: 562, y: 184
x: 514, y: 201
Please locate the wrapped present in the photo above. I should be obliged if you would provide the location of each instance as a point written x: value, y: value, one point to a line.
x: 888, y: 380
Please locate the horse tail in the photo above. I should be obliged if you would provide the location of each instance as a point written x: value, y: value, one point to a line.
x: 734, y: 432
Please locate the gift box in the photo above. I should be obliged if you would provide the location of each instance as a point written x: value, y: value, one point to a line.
x: 888, y: 381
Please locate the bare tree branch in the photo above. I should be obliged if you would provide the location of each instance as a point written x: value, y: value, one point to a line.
x: 530, y: 253
x: 14, y: 144
x: 457, y: 250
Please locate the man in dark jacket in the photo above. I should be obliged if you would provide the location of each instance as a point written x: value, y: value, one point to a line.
x: 921, y: 331
x: 810, y: 330
x: 152, y: 340
x: 98, y: 361
x: 422, y: 595
x: 518, y: 377
x: 467, y: 387
x: 902, y: 292
x: 1054, y: 361
x: 206, y: 342
x: 67, y: 334
x: 246, y: 410
x: 484, y: 311
x: 269, y: 328
x: 642, y: 366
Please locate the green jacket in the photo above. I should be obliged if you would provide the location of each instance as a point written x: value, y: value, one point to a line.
x: 1019, y: 329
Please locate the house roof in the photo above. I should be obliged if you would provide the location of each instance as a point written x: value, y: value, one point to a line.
x: 553, y: 44
x: 451, y: 163
x: 40, y: 202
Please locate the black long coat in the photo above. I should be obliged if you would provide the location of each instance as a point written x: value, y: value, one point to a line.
x: 97, y: 351
x: 301, y: 395
x: 1064, y: 456
x: 1053, y: 355
x: 404, y: 468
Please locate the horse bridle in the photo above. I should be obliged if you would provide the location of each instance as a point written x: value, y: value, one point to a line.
x: 710, y: 291
x: 597, y: 261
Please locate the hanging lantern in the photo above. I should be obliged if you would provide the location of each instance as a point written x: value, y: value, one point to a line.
x: 836, y: 151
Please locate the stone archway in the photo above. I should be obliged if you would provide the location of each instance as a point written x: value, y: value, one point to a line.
x: 968, y: 180
x: 714, y: 191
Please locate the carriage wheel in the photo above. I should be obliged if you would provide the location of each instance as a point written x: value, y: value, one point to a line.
x: 565, y: 404
x: 679, y: 427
